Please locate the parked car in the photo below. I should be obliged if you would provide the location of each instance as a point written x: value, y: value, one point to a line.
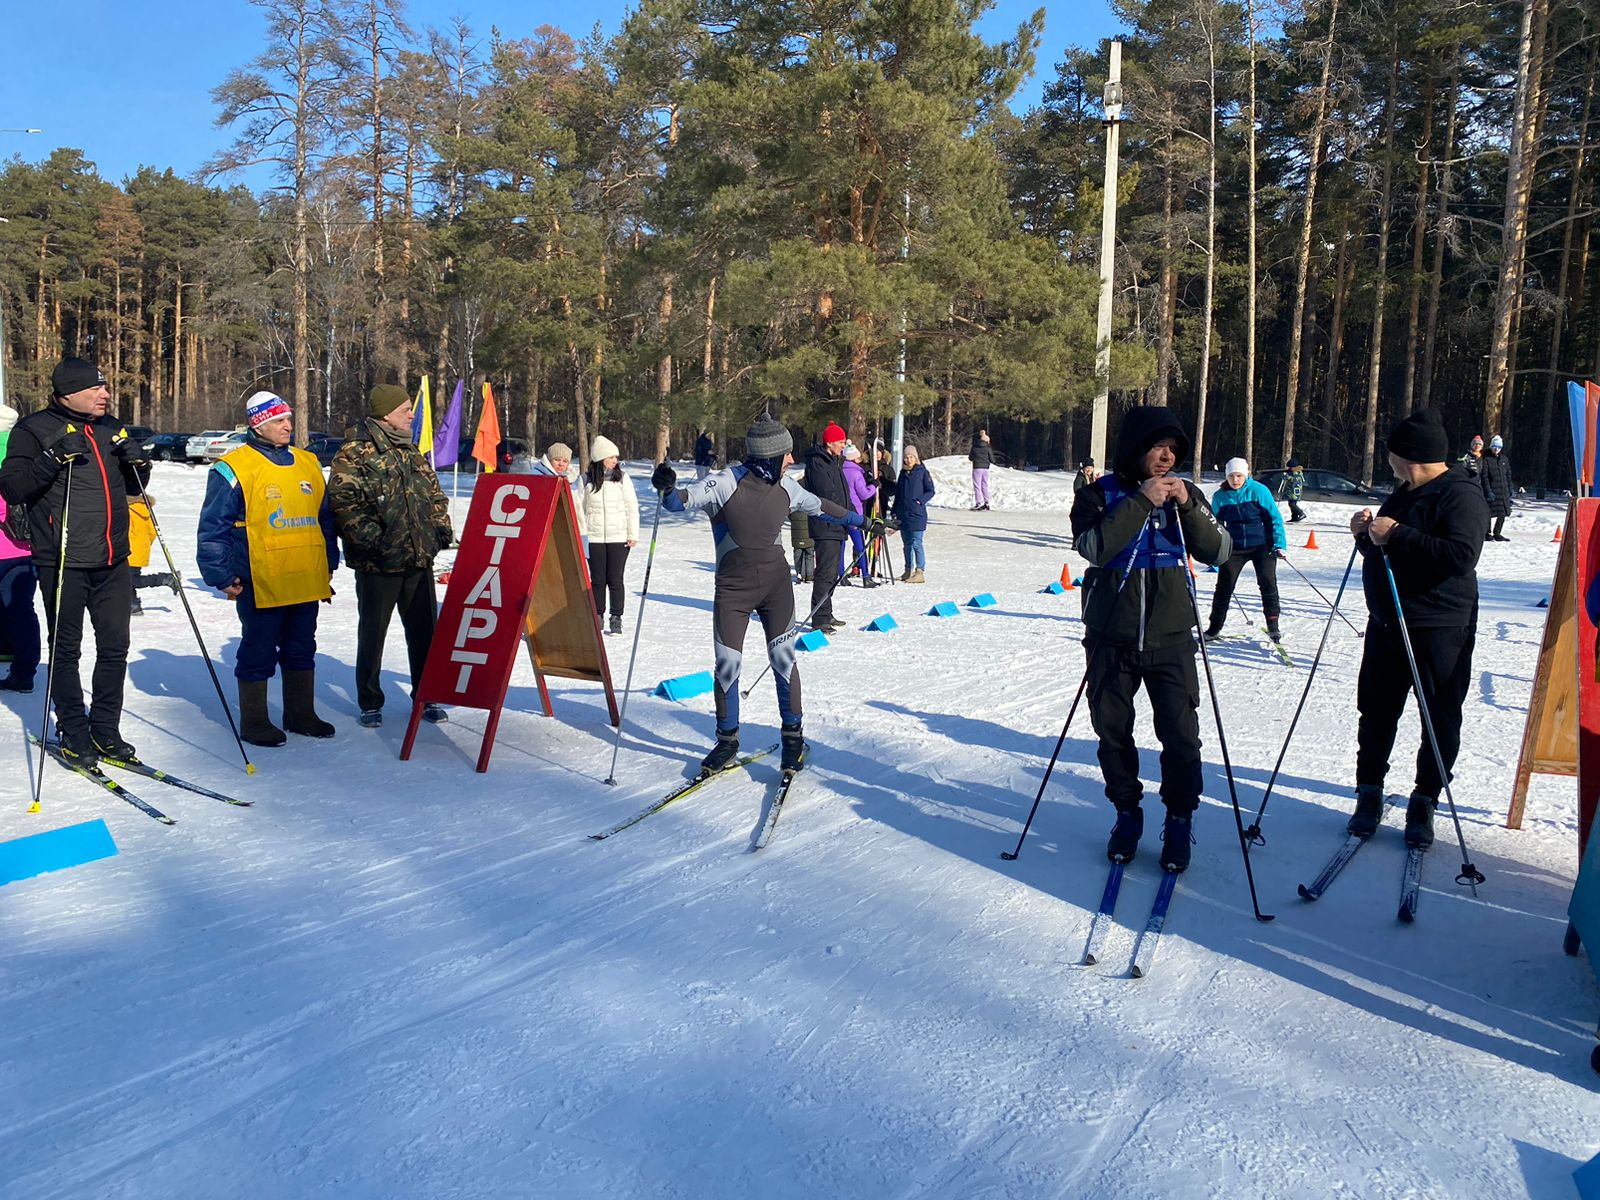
x: 510, y: 449
x: 140, y: 433
x: 1325, y: 486
x: 219, y: 446
x: 324, y: 448
x: 169, y: 447
x: 195, y: 449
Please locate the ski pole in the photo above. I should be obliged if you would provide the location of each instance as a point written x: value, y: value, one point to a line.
x: 842, y: 576
x: 1083, y: 684
x: 1253, y: 834
x: 55, y: 625
x: 227, y: 710
x: 1470, y: 875
x: 1325, y: 600
x: 1222, y: 737
x: 638, y: 627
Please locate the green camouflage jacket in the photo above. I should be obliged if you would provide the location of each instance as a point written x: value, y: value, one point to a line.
x: 386, y: 501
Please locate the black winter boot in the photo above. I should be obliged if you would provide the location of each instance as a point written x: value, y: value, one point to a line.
x: 1124, y: 841
x: 299, y: 706
x: 254, y: 725
x: 616, y: 623
x: 1419, y: 820
x: 794, y: 749
x: 723, y: 753
x: 1177, y: 835
x: 1369, y: 811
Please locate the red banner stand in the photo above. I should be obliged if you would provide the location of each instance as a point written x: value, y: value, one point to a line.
x: 1562, y: 734
x: 519, y: 576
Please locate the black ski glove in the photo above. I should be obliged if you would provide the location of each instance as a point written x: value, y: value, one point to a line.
x: 663, y: 479
x: 70, y: 445
x: 129, y: 450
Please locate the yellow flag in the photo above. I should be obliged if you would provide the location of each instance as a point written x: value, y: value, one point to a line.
x: 422, y: 421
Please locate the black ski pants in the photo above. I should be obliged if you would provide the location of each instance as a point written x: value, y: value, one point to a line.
x: 1444, y: 662
x: 755, y: 581
x: 377, y: 597
x: 1170, y: 680
x: 105, y: 595
x: 607, y: 562
x: 830, y: 557
x: 1265, y: 561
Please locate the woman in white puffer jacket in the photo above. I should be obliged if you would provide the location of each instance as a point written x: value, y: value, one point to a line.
x: 609, y: 516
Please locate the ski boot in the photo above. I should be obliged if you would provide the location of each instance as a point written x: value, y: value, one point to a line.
x: 1124, y: 841
x: 112, y: 744
x: 78, y: 747
x: 1212, y: 634
x: 1272, y: 630
x: 1419, y: 821
x: 1369, y: 811
x: 723, y: 753
x: 794, y: 749
x: 1177, y: 836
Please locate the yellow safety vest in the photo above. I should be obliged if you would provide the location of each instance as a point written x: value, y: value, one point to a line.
x: 288, y: 556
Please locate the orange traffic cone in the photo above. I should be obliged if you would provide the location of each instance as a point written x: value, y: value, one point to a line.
x: 1066, y: 577
x: 1311, y: 542
x: 1557, y: 537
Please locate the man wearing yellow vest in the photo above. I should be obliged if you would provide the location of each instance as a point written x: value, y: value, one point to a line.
x: 267, y: 540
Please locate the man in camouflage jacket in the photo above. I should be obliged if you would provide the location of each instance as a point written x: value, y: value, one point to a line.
x: 393, y: 518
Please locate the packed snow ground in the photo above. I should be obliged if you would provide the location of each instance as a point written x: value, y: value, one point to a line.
x: 407, y: 980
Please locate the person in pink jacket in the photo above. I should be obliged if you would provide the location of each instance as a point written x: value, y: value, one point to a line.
x: 19, y: 624
x: 860, y: 491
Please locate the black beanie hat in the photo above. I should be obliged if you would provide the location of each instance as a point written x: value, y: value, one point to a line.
x: 75, y: 375
x: 1420, y: 438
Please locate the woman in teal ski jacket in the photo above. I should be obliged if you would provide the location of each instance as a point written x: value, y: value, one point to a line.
x: 1249, y: 513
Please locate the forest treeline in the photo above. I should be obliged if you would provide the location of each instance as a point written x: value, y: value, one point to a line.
x: 1331, y: 212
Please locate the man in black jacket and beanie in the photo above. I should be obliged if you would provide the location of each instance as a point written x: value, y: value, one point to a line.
x: 1432, y: 530
x: 824, y: 479
x: 1140, y: 622
x: 74, y: 441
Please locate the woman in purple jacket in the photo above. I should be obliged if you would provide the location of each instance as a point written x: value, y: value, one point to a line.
x: 860, y: 491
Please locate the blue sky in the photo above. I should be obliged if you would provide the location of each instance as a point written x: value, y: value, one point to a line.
x: 129, y: 83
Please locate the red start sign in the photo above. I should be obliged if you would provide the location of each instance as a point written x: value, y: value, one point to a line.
x: 519, y: 577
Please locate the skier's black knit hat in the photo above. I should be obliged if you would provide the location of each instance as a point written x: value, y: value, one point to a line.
x: 1420, y: 438
x: 767, y: 438
x: 75, y: 375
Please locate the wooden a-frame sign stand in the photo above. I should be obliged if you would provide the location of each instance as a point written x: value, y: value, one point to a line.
x: 1562, y: 733
x: 519, y: 577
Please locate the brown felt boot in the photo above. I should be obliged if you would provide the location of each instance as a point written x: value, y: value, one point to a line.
x: 299, y: 708
x: 254, y: 725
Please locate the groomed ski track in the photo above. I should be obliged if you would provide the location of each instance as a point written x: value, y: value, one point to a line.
x: 402, y: 979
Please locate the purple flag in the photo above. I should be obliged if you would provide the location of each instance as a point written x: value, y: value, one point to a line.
x: 447, y: 441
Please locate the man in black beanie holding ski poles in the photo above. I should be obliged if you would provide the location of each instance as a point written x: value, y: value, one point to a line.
x: 1143, y: 632
x: 1432, y: 529
x: 106, y: 465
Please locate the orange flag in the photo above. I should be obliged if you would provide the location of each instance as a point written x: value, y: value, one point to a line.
x: 486, y: 442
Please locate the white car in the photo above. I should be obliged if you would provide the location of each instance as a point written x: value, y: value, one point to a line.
x: 218, y: 446
x: 195, y: 448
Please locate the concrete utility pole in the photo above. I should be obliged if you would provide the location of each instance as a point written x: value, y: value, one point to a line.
x: 898, y: 436
x: 1108, y: 247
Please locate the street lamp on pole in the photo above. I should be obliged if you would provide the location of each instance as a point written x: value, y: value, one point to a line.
x: 1108, y: 246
